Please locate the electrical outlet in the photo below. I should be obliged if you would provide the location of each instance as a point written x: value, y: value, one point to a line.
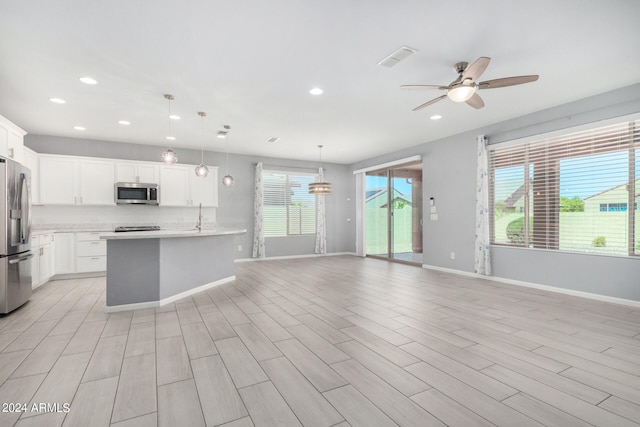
x: 453, y: 255
x: 239, y: 248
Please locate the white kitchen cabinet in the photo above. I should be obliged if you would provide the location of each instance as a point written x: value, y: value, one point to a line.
x: 91, y: 252
x: 204, y: 189
x: 65, y: 253
x: 137, y: 172
x: 43, y: 259
x: 174, y: 185
x: 11, y: 140
x: 32, y: 162
x: 179, y: 186
x: 58, y: 180
x: 70, y: 180
x: 96, y: 182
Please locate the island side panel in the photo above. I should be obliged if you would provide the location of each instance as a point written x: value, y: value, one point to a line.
x: 189, y: 262
x: 133, y: 273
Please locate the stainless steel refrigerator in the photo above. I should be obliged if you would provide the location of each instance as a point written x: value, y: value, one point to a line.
x: 15, y: 235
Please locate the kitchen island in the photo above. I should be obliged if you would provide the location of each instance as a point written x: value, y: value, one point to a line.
x: 152, y: 268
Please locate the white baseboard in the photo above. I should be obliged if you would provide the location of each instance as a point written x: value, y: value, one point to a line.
x: 154, y: 304
x: 589, y: 295
x: 294, y: 256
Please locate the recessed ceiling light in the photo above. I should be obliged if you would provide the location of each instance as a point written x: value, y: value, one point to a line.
x: 316, y: 91
x: 174, y: 117
x: 272, y: 139
x: 88, y: 81
x: 124, y: 122
x: 171, y: 138
x: 57, y: 100
x: 436, y: 117
x: 79, y: 128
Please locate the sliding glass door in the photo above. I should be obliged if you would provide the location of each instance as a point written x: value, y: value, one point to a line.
x: 394, y: 213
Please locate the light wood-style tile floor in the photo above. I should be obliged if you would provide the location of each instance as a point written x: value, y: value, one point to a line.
x: 331, y: 341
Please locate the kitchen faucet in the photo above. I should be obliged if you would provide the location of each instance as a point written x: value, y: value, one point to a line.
x: 199, y: 224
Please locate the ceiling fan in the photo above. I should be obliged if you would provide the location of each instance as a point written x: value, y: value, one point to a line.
x: 465, y: 87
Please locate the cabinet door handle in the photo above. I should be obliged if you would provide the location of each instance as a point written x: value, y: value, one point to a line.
x: 95, y: 243
x: 96, y: 259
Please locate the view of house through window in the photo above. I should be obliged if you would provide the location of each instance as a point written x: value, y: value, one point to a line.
x: 577, y: 193
x: 288, y: 207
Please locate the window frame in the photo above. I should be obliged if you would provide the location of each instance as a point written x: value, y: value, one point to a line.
x: 289, y: 174
x: 521, y: 151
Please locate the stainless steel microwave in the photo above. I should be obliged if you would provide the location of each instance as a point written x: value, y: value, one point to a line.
x: 136, y: 193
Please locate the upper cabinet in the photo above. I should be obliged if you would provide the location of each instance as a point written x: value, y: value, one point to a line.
x: 31, y: 161
x: 127, y: 171
x: 11, y: 140
x: 58, y: 180
x: 179, y: 186
x: 88, y: 181
x: 204, y: 189
x: 96, y: 182
x: 69, y: 180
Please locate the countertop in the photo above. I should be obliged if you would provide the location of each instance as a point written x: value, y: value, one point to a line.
x: 162, y: 234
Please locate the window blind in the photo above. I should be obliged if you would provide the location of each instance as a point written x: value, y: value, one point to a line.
x: 288, y: 208
x: 577, y: 192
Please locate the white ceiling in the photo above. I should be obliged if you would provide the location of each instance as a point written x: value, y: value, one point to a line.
x: 251, y: 63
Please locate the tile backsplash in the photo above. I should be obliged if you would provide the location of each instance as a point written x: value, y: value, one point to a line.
x: 108, y: 217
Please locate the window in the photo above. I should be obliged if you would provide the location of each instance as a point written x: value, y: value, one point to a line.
x: 288, y: 209
x: 569, y: 193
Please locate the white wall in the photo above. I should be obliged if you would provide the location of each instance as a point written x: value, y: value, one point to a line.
x: 449, y: 176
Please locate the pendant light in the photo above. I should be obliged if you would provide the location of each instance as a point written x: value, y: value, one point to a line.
x: 321, y: 186
x: 228, y: 180
x: 169, y: 156
x: 201, y: 169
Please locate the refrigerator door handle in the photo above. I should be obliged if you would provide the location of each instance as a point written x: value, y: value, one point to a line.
x: 20, y: 259
x: 23, y: 201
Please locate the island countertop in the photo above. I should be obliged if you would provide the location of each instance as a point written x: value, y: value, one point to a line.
x: 162, y: 234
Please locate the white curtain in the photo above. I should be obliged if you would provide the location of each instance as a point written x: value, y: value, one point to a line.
x: 258, y: 217
x: 321, y: 230
x: 483, y: 239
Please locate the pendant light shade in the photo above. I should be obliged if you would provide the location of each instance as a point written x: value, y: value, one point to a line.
x: 320, y: 186
x: 202, y: 170
x: 228, y: 180
x: 169, y: 156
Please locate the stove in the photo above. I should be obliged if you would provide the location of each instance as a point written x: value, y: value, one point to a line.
x: 122, y: 229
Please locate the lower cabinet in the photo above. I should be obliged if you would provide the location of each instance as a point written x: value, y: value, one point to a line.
x: 43, y: 259
x: 81, y: 252
x: 91, y: 252
x: 65, y: 249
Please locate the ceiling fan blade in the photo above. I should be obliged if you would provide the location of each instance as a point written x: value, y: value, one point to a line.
x: 507, y: 81
x: 475, y: 101
x: 426, y: 104
x: 475, y: 70
x: 423, y: 87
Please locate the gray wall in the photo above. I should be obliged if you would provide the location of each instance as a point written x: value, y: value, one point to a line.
x: 235, y: 204
x: 449, y: 176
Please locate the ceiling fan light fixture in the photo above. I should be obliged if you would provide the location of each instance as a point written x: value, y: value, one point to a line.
x: 461, y: 93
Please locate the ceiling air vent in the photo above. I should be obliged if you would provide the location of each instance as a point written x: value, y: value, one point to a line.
x: 396, y: 56
x: 272, y: 139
